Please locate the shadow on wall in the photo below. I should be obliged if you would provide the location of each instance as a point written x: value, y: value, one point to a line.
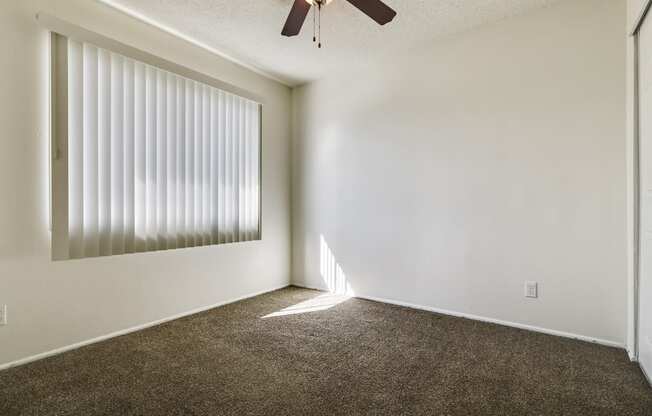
x: 331, y: 271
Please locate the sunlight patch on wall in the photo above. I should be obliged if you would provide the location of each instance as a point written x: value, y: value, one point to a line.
x: 331, y: 271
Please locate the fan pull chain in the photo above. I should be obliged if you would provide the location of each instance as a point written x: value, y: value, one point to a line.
x: 319, y: 25
x: 314, y: 25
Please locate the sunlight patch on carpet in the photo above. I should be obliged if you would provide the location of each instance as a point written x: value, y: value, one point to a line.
x: 317, y: 304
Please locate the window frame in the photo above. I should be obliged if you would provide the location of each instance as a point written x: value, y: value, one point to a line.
x: 60, y: 32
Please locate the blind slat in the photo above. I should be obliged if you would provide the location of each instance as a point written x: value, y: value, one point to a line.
x: 90, y: 151
x: 128, y: 115
x: 140, y: 190
x: 76, y: 150
x: 161, y: 160
x: 117, y: 160
x: 171, y: 170
x: 150, y: 160
x: 205, y: 165
x: 104, y: 152
x: 181, y: 163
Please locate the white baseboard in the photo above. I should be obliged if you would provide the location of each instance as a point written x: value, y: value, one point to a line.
x: 481, y: 318
x: 632, y: 355
x: 130, y: 330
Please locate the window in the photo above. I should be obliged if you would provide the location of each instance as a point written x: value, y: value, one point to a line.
x: 147, y: 159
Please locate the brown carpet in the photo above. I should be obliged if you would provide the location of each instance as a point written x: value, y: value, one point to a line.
x: 356, y: 358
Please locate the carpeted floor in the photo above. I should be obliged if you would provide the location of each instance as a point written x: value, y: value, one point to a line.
x: 321, y: 358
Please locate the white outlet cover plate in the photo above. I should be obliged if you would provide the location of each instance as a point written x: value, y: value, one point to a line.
x: 531, y: 290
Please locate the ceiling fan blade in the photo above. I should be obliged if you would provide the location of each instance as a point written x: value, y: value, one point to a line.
x: 296, y: 18
x: 375, y: 9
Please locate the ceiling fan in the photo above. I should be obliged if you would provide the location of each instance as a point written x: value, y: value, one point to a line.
x: 376, y: 9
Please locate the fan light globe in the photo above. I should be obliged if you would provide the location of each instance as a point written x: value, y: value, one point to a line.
x: 314, y: 2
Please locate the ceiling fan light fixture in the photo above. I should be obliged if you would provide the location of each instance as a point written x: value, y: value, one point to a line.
x: 315, y: 2
x: 375, y: 9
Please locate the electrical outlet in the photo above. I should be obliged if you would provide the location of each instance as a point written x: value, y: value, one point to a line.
x: 531, y: 290
x: 3, y: 314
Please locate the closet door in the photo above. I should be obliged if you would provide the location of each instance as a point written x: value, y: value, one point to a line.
x: 645, y: 149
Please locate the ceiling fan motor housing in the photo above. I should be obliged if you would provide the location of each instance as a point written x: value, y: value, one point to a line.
x: 318, y: 2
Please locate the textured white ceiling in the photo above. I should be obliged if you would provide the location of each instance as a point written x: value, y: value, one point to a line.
x: 250, y: 30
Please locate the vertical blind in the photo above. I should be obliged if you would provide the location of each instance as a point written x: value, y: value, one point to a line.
x: 155, y: 160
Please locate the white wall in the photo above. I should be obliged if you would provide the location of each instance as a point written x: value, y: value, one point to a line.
x: 450, y: 175
x: 54, y: 304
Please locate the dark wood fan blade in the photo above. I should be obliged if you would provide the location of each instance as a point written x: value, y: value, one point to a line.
x: 296, y: 18
x: 375, y: 9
